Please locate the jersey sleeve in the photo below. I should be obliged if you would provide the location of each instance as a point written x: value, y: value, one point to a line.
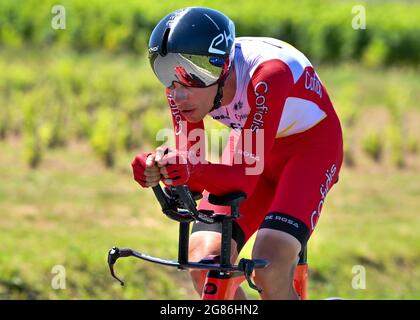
x: 267, y: 92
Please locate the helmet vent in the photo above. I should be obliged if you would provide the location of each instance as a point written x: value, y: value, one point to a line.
x: 165, y: 42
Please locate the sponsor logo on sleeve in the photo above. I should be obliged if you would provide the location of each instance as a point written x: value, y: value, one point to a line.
x: 260, y: 91
x: 312, y: 83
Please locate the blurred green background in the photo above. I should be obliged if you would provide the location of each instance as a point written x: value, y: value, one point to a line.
x: 77, y: 104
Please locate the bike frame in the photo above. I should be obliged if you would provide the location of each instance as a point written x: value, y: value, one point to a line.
x: 223, y: 278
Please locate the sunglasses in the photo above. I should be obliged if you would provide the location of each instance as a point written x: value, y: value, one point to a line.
x: 189, y: 70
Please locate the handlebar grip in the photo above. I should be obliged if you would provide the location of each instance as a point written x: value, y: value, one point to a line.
x: 116, y: 253
x: 126, y: 252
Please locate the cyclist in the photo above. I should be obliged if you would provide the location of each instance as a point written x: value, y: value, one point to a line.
x: 283, y: 126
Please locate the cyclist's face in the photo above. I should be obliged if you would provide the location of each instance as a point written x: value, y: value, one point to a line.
x: 193, y: 103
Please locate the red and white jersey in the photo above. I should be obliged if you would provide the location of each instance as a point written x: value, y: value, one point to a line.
x: 302, y: 108
x: 277, y: 90
x: 296, y: 140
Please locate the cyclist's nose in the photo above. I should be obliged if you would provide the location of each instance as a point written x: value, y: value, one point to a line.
x: 179, y: 94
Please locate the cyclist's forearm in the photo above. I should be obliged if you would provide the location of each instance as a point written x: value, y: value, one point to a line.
x: 221, y: 179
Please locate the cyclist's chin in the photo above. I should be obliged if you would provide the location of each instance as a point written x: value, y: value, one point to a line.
x: 194, y: 117
x: 194, y: 120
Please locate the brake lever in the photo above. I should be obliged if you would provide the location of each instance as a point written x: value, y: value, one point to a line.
x: 113, y: 255
x: 247, y: 267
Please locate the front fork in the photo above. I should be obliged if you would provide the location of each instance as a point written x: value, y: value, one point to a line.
x: 221, y: 285
x: 300, y: 280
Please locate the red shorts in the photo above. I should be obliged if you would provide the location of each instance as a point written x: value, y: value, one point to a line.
x: 291, y: 191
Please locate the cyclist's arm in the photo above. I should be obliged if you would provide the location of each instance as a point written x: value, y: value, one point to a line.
x: 268, y: 89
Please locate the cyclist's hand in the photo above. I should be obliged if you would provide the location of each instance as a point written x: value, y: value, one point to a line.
x: 174, y: 166
x: 145, y: 170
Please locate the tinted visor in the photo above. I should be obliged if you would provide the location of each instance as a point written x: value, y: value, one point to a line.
x: 188, y: 70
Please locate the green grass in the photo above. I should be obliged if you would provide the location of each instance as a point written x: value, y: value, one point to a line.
x: 70, y: 212
x: 370, y: 86
x: 321, y: 28
x: 370, y: 220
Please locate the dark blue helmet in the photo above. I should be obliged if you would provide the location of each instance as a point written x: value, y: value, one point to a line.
x: 193, y: 46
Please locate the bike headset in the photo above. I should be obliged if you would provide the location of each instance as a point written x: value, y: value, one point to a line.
x: 193, y: 46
